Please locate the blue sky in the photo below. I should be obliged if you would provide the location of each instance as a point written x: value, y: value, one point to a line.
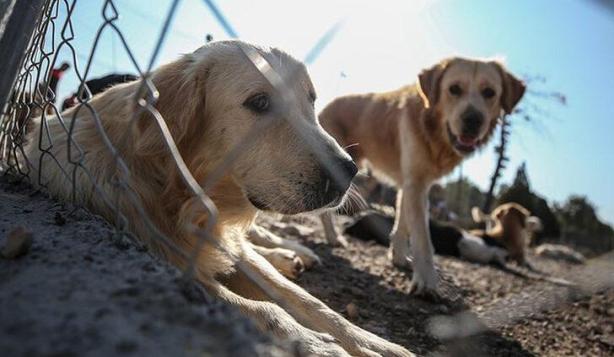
x: 382, y: 45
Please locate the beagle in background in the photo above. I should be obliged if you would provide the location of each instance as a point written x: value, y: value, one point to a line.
x: 509, y: 225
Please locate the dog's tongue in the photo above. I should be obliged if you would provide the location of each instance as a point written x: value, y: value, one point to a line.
x: 467, y: 140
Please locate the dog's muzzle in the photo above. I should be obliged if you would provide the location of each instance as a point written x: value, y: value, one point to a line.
x: 326, y: 191
x: 335, y: 179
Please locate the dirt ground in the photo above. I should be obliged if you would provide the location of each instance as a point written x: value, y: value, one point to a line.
x: 80, y: 291
x: 509, y: 315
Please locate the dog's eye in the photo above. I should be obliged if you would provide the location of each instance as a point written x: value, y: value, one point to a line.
x: 312, y: 97
x: 488, y: 93
x: 455, y: 90
x: 258, y: 103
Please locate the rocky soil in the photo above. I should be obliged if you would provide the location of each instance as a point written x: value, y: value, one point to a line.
x: 485, y: 311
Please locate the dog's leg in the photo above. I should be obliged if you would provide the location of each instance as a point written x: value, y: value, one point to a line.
x: 414, y: 210
x: 335, y: 239
x: 271, y: 318
x: 284, y: 260
x: 267, y: 239
x: 399, y: 237
x: 313, y: 313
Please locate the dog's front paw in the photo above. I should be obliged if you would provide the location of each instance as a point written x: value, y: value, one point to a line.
x: 385, y: 348
x: 399, y: 260
x: 319, y: 344
x: 368, y: 344
x: 287, y: 262
x: 308, y: 257
x: 424, y: 282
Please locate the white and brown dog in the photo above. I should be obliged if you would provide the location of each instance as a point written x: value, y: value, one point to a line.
x: 417, y: 134
x: 510, y: 226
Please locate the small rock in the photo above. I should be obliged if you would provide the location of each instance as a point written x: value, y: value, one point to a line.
x: 18, y: 242
x: 352, y: 311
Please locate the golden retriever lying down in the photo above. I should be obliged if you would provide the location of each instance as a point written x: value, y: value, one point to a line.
x: 210, y: 100
x: 417, y: 134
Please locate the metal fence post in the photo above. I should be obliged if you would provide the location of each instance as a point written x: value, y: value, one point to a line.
x: 18, y: 19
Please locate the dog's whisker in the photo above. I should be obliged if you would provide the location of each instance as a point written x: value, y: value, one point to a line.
x: 350, y: 146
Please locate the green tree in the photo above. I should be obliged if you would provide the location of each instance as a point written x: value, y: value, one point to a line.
x: 582, y: 227
x: 577, y: 213
x: 461, y: 195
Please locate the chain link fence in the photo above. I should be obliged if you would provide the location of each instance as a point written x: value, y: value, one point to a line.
x: 32, y: 101
x: 32, y: 36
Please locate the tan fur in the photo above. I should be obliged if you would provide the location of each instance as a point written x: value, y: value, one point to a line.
x: 201, y: 100
x: 412, y: 135
x: 508, y: 222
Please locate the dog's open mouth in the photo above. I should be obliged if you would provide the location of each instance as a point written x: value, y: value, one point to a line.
x: 463, y: 143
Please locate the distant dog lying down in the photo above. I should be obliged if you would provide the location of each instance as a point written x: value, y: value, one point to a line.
x: 447, y: 240
x: 211, y: 100
x: 511, y: 225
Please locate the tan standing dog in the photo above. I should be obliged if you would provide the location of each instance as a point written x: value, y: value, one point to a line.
x: 417, y: 134
x: 211, y: 100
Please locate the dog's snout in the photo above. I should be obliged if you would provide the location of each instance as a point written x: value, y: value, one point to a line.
x: 472, y: 121
x: 337, y: 175
x: 349, y: 168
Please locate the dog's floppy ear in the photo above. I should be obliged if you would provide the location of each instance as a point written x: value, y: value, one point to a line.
x: 513, y: 89
x: 181, y: 88
x: 429, y: 81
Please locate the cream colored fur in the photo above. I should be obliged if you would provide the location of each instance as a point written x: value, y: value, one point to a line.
x: 202, y: 99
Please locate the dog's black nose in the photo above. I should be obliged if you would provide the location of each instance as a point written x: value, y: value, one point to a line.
x: 337, y: 176
x: 472, y: 122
